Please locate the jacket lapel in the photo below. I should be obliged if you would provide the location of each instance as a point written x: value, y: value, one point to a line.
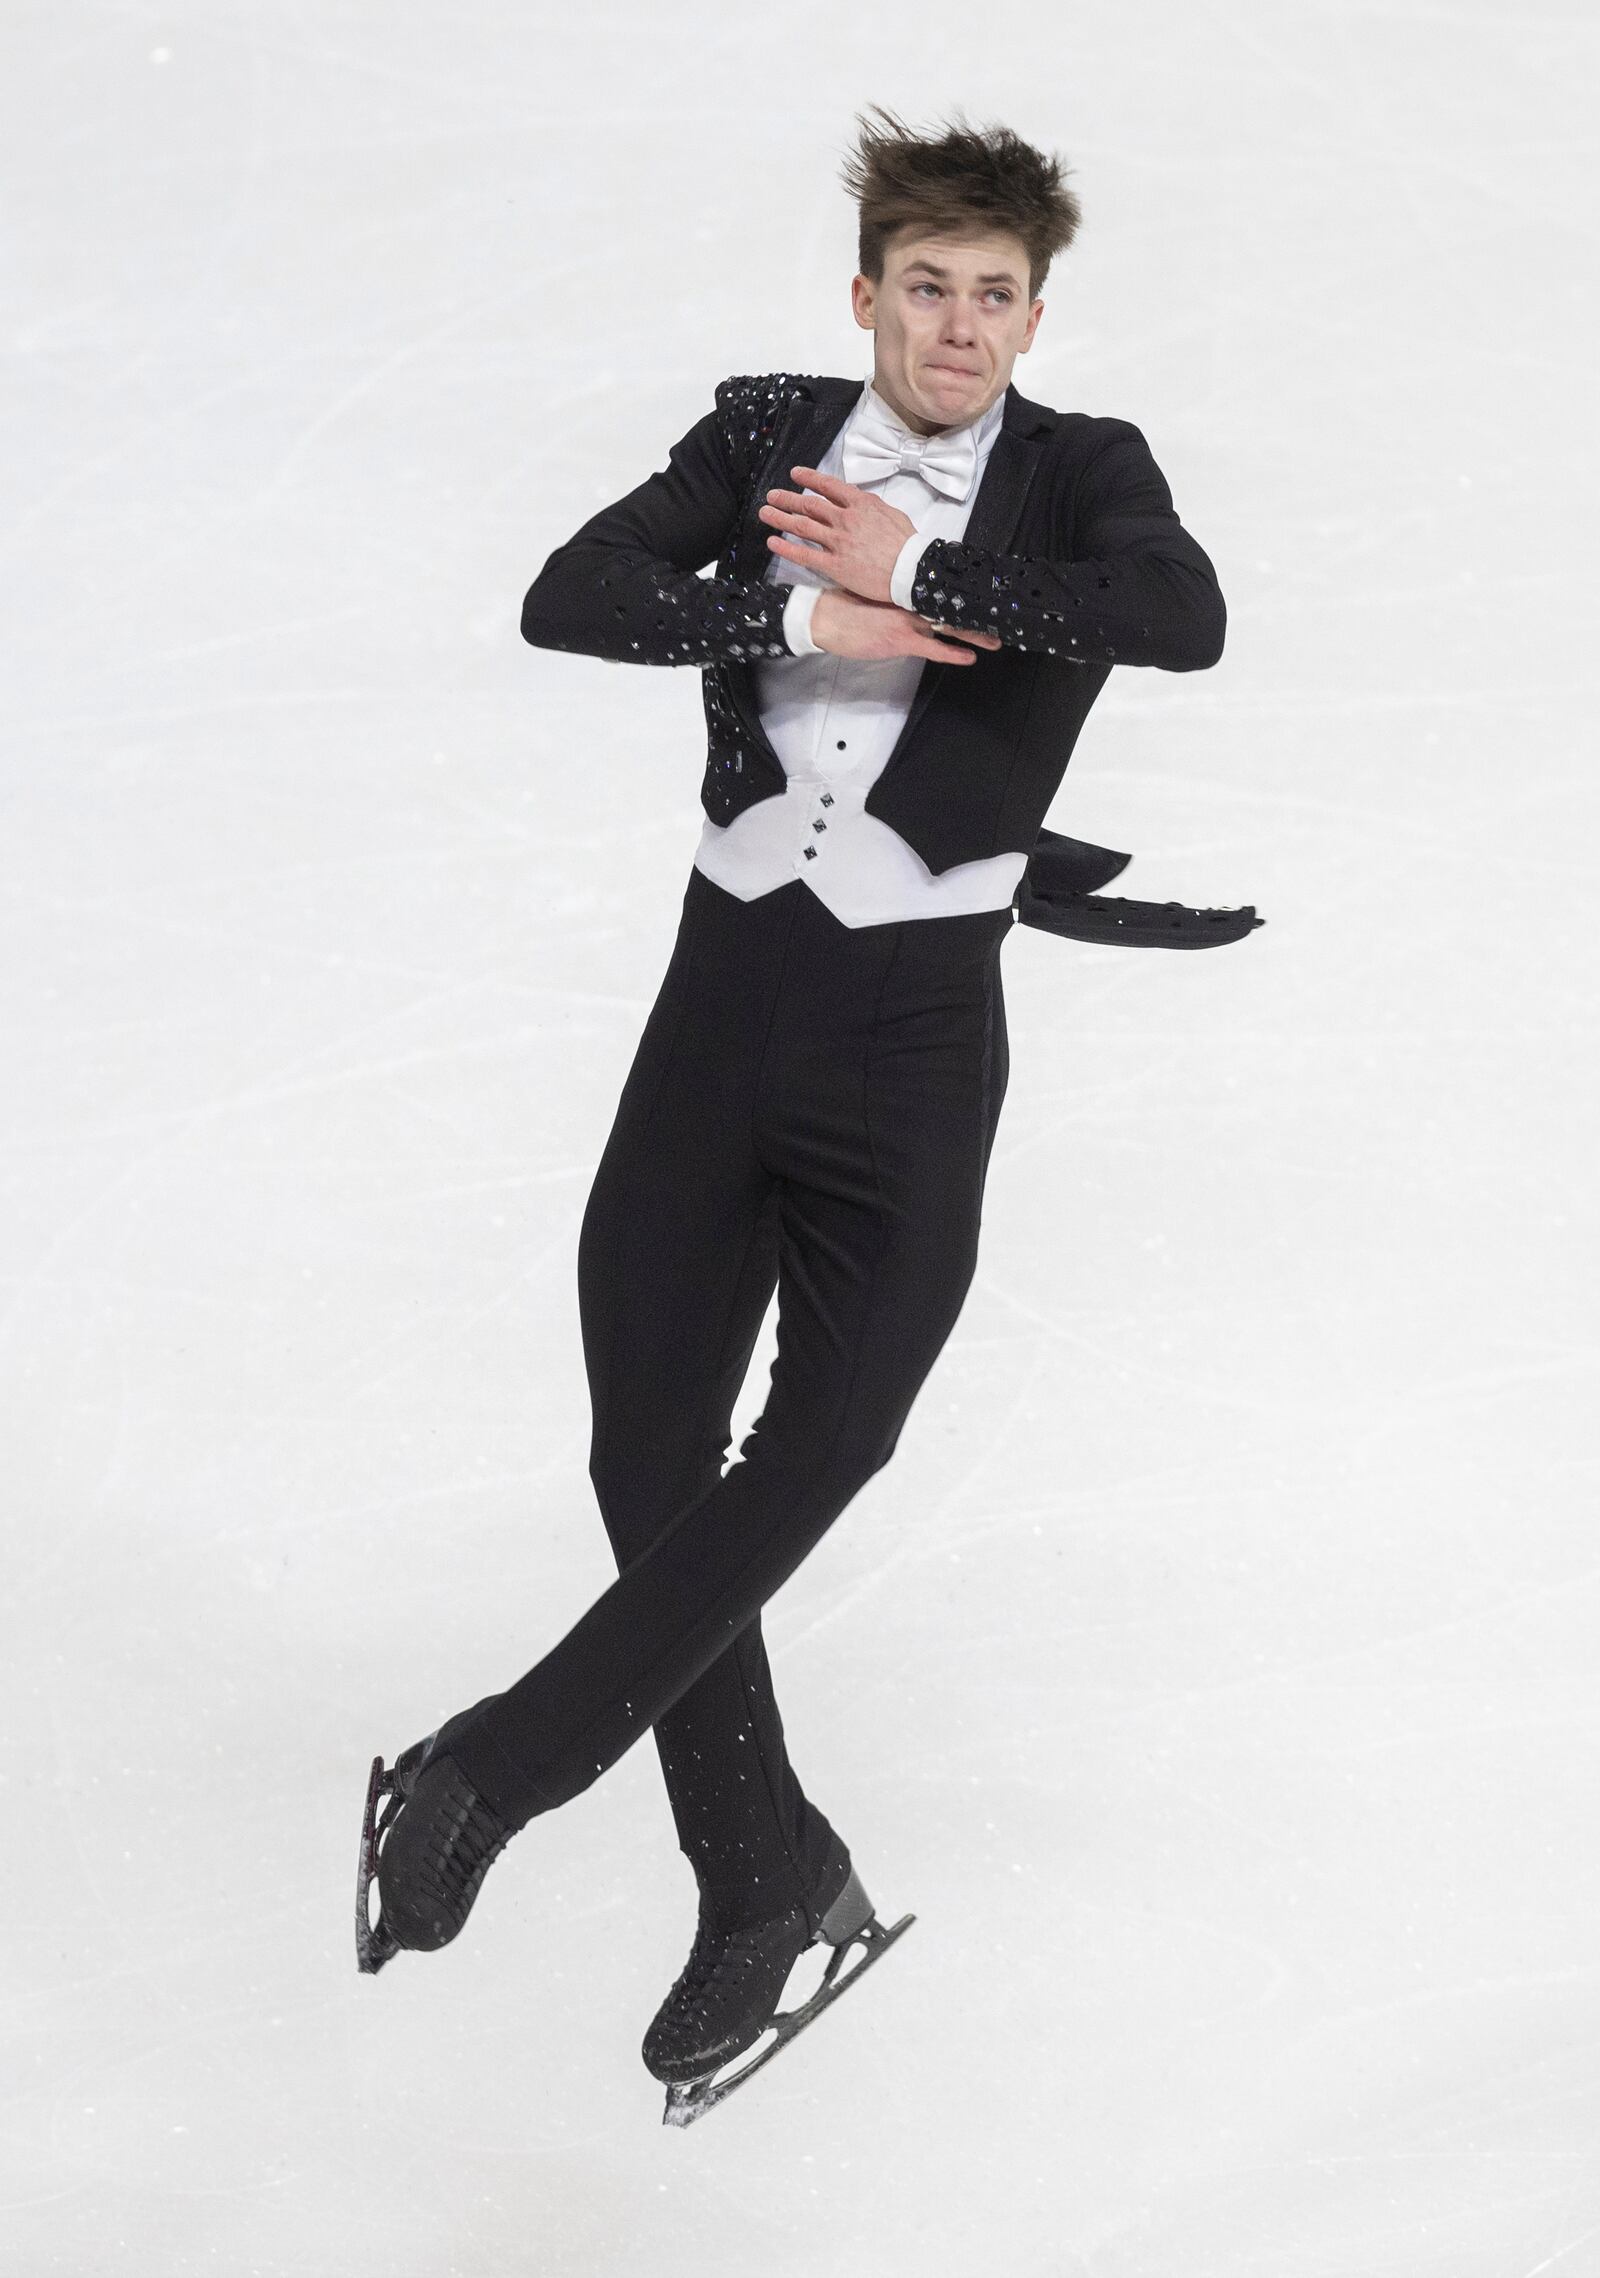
x: 1013, y: 461
x: 809, y: 426
x: 805, y: 434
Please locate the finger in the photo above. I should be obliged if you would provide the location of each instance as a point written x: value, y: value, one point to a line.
x: 829, y: 485
x: 962, y: 632
x: 803, y: 502
x: 962, y: 649
x: 803, y: 523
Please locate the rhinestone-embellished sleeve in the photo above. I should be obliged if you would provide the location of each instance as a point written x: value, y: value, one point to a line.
x: 624, y: 586
x: 1137, y: 589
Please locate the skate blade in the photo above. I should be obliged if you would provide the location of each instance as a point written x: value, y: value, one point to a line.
x: 375, y: 1941
x: 687, y: 2100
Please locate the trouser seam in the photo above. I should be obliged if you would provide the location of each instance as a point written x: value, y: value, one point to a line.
x: 641, y: 1677
x: 617, y: 1215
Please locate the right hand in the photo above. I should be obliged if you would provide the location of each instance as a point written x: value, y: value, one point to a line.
x: 848, y: 626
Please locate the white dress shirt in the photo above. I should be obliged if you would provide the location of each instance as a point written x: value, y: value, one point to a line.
x: 833, y: 722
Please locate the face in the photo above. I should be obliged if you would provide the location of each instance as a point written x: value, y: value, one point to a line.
x: 950, y: 318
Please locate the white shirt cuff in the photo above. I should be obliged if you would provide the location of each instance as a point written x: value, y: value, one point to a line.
x: 905, y: 568
x: 797, y: 614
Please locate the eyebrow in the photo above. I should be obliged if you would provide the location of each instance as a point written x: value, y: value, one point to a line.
x: 995, y: 276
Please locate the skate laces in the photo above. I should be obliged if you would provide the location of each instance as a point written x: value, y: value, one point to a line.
x: 469, y: 1843
x: 723, y: 1951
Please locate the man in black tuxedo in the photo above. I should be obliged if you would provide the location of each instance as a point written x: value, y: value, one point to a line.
x: 814, y: 1099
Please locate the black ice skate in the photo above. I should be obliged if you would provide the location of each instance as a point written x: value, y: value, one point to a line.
x: 429, y: 1851
x: 727, y: 1995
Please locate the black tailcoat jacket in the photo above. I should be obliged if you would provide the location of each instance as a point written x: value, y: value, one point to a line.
x: 1073, y: 554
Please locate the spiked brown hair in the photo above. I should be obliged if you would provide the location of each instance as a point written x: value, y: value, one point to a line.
x: 967, y: 178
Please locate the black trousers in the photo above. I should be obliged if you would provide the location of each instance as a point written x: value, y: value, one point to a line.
x: 812, y: 1107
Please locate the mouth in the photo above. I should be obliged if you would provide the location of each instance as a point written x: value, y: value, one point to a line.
x: 955, y: 371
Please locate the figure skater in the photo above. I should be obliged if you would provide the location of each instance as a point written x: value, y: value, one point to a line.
x: 921, y: 585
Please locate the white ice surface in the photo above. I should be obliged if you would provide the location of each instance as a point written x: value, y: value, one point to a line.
x: 1213, y: 1672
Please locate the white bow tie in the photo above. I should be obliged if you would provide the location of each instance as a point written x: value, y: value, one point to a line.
x: 874, y: 449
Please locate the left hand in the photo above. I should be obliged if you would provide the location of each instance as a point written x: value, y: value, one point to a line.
x: 853, y: 537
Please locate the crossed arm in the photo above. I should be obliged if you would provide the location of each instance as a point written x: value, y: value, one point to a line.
x: 1138, y: 591
x: 624, y: 586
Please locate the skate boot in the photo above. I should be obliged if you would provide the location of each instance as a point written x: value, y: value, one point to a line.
x: 728, y: 1993
x: 429, y: 1852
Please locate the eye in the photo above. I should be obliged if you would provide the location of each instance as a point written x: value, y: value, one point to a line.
x: 924, y: 286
